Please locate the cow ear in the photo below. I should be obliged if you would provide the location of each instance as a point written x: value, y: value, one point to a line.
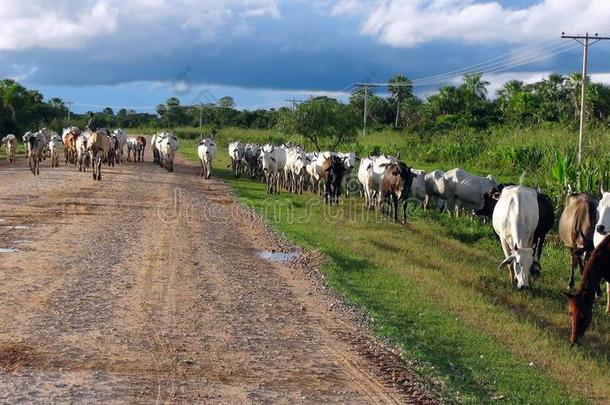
x: 369, y: 166
x: 496, y: 196
x: 398, y: 156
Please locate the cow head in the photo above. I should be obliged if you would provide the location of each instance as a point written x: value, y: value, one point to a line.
x: 602, y: 228
x: 522, y: 260
x: 580, y: 316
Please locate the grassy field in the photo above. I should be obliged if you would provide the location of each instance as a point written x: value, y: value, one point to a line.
x: 433, y: 289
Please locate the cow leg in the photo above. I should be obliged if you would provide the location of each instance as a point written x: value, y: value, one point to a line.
x: 608, y: 297
x: 573, y: 264
x: 507, y: 252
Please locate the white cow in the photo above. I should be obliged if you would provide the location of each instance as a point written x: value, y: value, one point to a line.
x: 168, y: 145
x: 465, y: 190
x: 315, y: 170
x: 363, y: 178
x: 56, y: 147
x: 371, y: 171
x: 10, y: 146
x: 236, y: 154
x: 82, y: 157
x: 602, y: 228
x: 155, y: 149
x: 45, y: 136
x: 435, y: 183
x: 418, y: 187
x: 515, y: 219
x: 133, y: 146
x: 296, y: 161
x: 207, y: 153
x: 121, y: 136
x: 273, y: 161
x: 312, y: 173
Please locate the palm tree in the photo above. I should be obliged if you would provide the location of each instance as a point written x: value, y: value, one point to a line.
x: 401, y: 89
x: 575, y: 87
x: 474, y: 84
x: 508, y: 92
x: 57, y: 103
x: 9, y: 90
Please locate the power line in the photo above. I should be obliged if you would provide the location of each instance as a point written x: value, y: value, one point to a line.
x: 586, y: 41
x: 503, y: 67
x: 486, y: 63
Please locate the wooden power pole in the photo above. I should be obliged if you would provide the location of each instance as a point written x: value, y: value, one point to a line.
x: 366, y: 102
x: 586, y: 41
x: 69, y: 108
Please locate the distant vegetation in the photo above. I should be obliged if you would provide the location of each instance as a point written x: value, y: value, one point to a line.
x: 555, y: 99
x: 529, y: 128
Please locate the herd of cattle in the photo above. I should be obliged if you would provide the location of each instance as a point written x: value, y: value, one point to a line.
x: 521, y: 216
x: 90, y: 148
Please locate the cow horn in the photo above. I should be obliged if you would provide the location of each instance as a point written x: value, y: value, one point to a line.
x: 398, y: 156
x: 601, y: 187
x: 508, y: 260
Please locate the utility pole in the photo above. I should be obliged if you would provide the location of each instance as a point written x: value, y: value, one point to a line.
x: 201, y: 120
x: 586, y: 41
x: 366, y: 102
x: 69, y: 107
x: 294, y: 103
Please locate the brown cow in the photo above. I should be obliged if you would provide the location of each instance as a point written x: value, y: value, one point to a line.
x: 69, y: 138
x: 580, y: 303
x: 395, y: 187
x: 37, y: 144
x: 332, y: 172
x: 142, y: 142
x: 576, y: 229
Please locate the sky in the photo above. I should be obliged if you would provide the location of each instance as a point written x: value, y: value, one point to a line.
x: 137, y: 53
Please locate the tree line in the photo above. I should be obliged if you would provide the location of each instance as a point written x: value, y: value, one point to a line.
x: 466, y: 105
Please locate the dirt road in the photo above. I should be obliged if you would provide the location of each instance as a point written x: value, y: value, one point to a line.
x: 146, y: 287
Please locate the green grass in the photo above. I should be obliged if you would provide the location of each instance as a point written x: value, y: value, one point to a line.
x: 433, y: 290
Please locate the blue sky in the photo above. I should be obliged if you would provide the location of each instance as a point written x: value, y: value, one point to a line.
x: 137, y: 53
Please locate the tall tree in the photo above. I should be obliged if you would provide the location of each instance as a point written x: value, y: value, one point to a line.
x: 325, y: 122
x: 226, y: 102
x: 401, y: 89
x: 475, y: 85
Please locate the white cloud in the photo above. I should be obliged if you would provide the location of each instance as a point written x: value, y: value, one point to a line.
x: 40, y: 23
x: 497, y: 80
x: 406, y: 23
x: 64, y: 24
